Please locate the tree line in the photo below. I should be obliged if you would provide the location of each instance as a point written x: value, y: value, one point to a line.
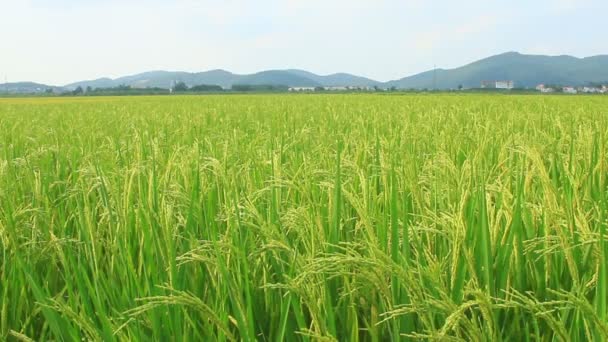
x: 179, y: 87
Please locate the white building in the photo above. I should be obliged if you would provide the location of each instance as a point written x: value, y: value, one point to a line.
x: 544, y: 89
x: 569, y: 90
x: 504, y: 84
x: 497, y: 84
x: 302, y: 89
x: 336, y: 88
x: 590, y: 90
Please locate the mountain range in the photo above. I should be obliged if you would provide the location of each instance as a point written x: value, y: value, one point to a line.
x: 290, y: 77
x: 525, y: 70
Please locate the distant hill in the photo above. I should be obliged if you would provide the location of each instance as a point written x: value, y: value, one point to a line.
x: 525, y: 70
x: 164, y: 79
x: 26, y: 88
x: 276, y: 77
x: 339, y: 79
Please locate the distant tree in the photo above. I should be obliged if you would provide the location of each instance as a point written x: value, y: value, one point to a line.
x: 123, y: 87
x: 180, y: 86
x: 77, y: 91
x: 89, y: 89
x: 241, y: 87
x: 259, y: 87
x: 460, y: 86
x: 319, y: 88
x: 206, y: 87
x: 393, y: 88
x: 49, y: 90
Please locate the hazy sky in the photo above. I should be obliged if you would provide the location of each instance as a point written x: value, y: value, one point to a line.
x: 61, y: 41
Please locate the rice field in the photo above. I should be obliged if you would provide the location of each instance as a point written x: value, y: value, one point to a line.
x: 304, y: 218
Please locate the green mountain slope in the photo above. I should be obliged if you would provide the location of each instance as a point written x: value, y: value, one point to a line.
x: 338, y: 79
x: 26, y: 88
x: 525, y: 70
x: 164, y: 79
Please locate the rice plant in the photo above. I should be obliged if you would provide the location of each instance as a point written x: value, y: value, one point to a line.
x: 304, y: 218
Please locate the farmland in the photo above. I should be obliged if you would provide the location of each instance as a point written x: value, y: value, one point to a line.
x: 312, y: 217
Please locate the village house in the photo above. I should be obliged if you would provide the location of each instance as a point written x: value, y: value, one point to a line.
x: 301, y: 89
x: 336, y: 88
x: 589, y: 90
x: 544, y: 89
x: 497, y: 84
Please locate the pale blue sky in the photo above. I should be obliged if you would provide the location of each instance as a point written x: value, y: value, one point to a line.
x: 61, y: 41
